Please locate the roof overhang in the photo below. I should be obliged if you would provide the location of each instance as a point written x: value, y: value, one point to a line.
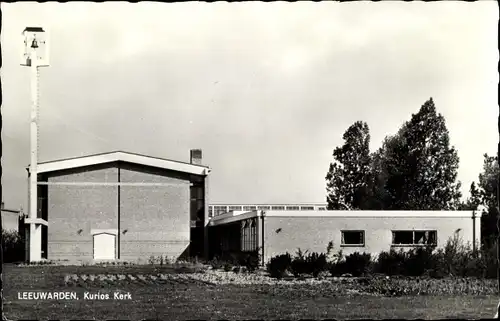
x: 234, y: 216
x: 123, y: 157
x: 242, y: 215
x: 379, y: 214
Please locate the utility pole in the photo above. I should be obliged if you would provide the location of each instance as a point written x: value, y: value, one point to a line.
x: 35, y: 56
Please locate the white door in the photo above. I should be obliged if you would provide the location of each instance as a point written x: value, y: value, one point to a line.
x: 104, y: 246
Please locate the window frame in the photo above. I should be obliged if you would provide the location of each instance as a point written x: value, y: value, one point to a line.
x: 414, y: 244
x: 342, y: 239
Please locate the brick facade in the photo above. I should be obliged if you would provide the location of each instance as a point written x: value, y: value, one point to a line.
x: 151, y: 220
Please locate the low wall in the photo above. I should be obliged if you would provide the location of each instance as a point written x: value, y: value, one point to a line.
x: 289, y: 231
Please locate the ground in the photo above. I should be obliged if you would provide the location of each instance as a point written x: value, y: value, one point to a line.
x: 181, y: 299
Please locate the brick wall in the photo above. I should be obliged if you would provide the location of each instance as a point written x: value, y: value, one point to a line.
x: 154, y: 220
x: 74, y: 210
x: 157, y: 219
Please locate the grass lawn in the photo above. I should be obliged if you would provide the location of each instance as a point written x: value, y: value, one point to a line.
x: 170, y: 300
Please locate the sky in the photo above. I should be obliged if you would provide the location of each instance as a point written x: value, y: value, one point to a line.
x: 266, y: 90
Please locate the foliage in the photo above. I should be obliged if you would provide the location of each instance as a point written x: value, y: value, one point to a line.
x: 348, y: 178
x: 419, y: 261
x: 160, y: 260
x: 488, y: 183
x: 394, y: 286
x: 216, y: 263
x: 455, y: 259
x: 391, y: 263
x: 251, y: 260
x: 279, y: 265
x: 313, y: 263
x: 485, y: 196
x: 334, y: 257
x: 415, y: 169
x: 298, y: 265
x: 13, y: 247
x: 473, y: 201
x: 459, y: 259
x: 355, y: 264
x: 228, y: 267
x: 418, y: 166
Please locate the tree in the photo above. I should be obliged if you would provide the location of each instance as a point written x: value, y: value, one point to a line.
x: 348, y: 178
x: 487, y: 196
x: 473, y: 201
x: 488, y: 183
x: 419, y: 165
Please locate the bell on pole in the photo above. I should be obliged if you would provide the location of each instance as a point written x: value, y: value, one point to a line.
x: 34, y: 44
x: 36, y: 41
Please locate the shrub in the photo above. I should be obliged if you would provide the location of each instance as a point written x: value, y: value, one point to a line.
x: 279, y: 265
x: 313, y: 263
x: 298, y: 266
x: 458, y: 259
x: 215, y: 263
x: 357, y: 263
x: 488, y: 260
x: 228, y: 267
x: 419, y: 261
x: 13, y: 247
x: 391, y: 263
x: 250, y: 261
x: 454, y: 259
x: 317, y: 263
x: 414, y: 262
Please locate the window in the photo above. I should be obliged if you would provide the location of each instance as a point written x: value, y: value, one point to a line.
x: 307, y: 208
x: 234, y: 208
x: 414, y: 238
x: 353, y: 238
x: 278, y: 208
x: 264, y: 207
x: 292, y: 208
x: 218, y: 210
x: 248, y: 236
x: 249, y: 208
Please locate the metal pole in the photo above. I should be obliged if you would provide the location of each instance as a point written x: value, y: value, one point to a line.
x: 34, y: 242
x: 474, y: 232
x: 1, y: 226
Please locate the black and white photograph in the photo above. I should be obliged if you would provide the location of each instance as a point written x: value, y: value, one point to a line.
x: 249, y: 160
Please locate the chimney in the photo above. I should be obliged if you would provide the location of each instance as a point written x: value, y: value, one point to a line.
x: 196, y: 156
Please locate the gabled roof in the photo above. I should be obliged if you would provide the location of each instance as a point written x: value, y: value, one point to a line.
x: 34, y: 29
x: 121, y: 156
